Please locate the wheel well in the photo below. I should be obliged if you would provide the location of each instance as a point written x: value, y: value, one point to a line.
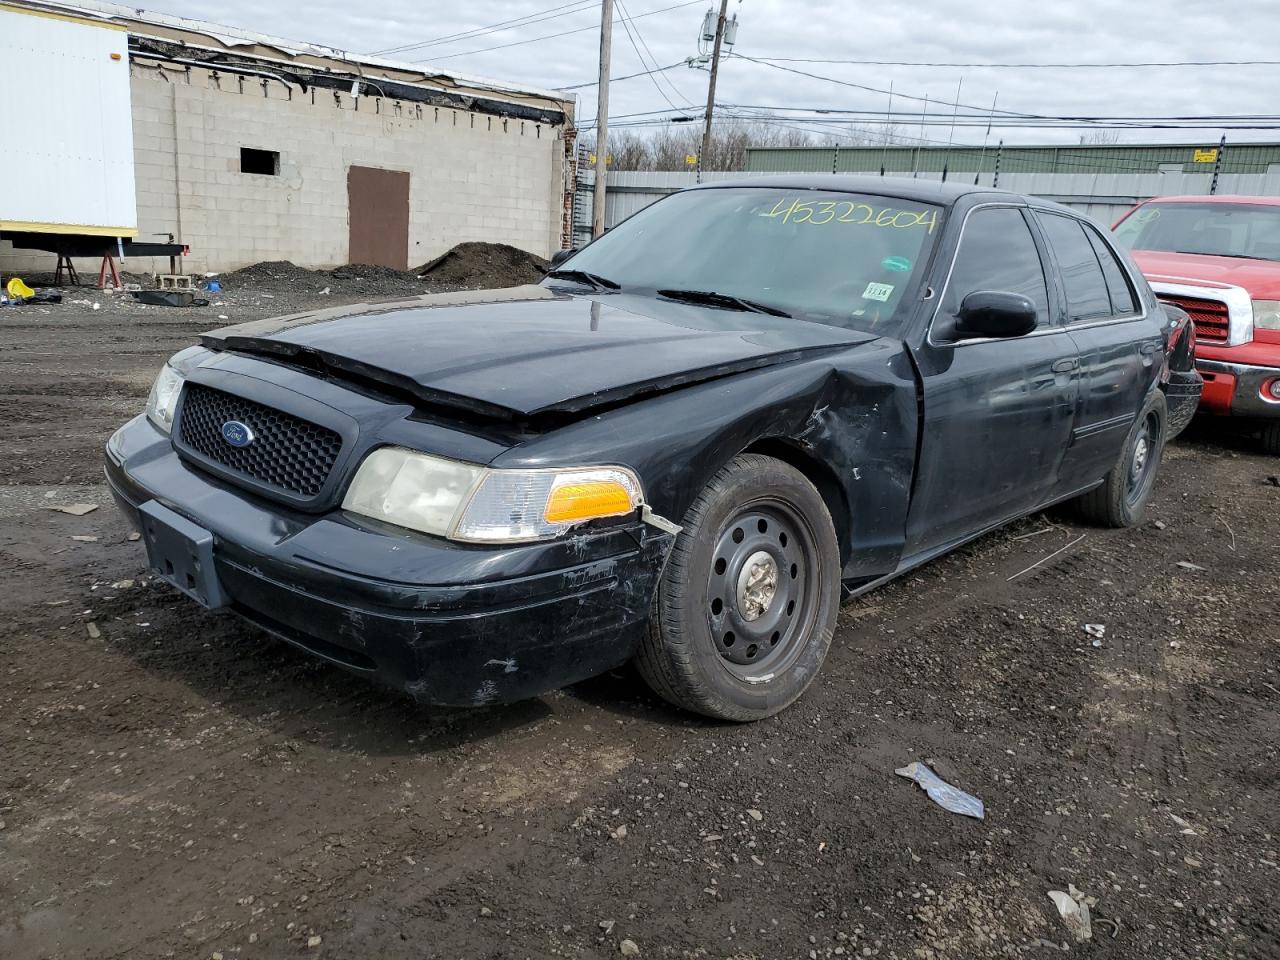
x: 820, y: 475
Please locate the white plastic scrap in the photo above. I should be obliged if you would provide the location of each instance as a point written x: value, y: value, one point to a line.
x: 941, y: 792
x: 1073, y: 907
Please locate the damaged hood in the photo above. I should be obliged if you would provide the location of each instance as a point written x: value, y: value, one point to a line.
x: 529, y: 351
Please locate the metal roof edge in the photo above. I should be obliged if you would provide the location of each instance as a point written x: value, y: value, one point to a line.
x: 232, y: 37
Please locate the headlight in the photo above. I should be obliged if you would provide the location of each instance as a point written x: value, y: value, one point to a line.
x: 164, y: 398
x: 482, y: 505
x: 1266, y: 314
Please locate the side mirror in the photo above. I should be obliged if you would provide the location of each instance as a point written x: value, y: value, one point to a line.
x: 559, y: 257
x: 995, y: 313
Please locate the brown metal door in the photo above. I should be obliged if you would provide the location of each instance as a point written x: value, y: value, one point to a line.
x: 378, y: 209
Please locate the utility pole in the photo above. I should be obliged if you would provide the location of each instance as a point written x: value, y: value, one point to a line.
x: 711, y: 87
x: 602, y: 117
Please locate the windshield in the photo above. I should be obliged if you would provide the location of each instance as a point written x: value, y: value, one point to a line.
x: 840, y: 258
x: 1215, y: 229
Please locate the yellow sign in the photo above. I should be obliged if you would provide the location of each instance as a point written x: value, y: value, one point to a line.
x: 1206, y: 156
x: 607, y: 160
x: 690, y: 159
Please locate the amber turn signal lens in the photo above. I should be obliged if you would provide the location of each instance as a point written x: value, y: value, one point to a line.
x: 587, y: 501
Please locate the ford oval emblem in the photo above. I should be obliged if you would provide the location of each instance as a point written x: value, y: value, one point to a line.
x: 237, y: 434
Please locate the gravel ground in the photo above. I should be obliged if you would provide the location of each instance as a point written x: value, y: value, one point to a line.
x: 177, y: 785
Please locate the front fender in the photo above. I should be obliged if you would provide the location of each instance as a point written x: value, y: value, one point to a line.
x: 855, y: 412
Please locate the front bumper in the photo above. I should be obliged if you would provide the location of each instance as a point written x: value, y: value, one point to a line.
x: 1235, y: 389
x: 450, y: 624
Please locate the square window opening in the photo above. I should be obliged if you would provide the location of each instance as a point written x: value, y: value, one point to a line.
x: 259, y: 161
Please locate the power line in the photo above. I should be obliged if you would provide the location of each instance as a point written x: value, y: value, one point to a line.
x: 1031, y: 66
x: 665, y: 116
x: 635, y: 28
x: 552, y: 36
x: 983, y: 114
x: 626, y: 25
x: 863, y: 86
x: 524, y: 21
x: 629, y: 76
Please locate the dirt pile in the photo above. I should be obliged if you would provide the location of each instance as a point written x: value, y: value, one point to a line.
x: 484, y: 266
x: 280, y: 278
x: 269, y: 272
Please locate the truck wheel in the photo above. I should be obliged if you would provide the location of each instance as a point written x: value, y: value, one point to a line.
x: 1271, y: 438
x: 1125, y: 490
x: 744, y: 613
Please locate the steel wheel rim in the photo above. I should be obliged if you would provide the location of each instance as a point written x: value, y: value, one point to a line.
x: 1142, y: 459
x: 762, y: 589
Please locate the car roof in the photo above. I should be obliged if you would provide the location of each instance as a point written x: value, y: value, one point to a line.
x: 1219, y: 198
x: 902, y: 188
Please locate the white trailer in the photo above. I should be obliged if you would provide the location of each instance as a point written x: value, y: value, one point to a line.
x: 67, y: 163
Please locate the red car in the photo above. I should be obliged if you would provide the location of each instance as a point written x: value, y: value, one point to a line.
x: 1218, y: 258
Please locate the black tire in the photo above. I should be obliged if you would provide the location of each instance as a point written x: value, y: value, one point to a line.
x: 1122, y: 498
x: 1271, y: 439
x: 720, y: 640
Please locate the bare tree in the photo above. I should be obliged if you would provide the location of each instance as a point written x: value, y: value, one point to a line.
x: 675, y: 146
x: 1100, y: 137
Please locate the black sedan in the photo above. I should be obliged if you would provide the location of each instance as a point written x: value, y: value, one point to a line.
x: 677, y: 450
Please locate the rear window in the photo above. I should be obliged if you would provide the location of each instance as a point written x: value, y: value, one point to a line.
x: 1087, y: 295
x: 1246, y: 230
x: 1122, y: 299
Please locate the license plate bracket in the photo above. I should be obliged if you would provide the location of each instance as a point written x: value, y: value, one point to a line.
x: 181, y: 552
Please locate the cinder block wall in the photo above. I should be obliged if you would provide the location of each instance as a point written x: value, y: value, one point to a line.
x: 472, y: 176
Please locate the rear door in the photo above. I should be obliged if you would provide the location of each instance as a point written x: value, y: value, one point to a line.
x: 1118, y: 344
x: 997, y: 413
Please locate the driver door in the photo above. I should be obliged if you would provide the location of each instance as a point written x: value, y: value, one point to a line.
x: 997, y: 413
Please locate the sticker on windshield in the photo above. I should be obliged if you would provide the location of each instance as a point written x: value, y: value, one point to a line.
x: 878, y: 291
x: 896, y: 264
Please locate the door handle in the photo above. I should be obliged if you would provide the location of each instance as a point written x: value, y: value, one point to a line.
x: 1065, y: 365
x: 1148, y: 349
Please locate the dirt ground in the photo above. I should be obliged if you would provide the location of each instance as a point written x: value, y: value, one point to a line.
x: 175, y: 784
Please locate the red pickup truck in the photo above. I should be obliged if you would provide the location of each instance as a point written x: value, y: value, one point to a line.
x: 1218, y: 258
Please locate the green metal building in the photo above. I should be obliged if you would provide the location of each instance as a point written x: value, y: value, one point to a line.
x: 1199, y: 157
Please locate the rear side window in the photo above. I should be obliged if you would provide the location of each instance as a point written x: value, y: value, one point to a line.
x: 997, y: 252
x: 1122, y: 301
x: 1087, y: 294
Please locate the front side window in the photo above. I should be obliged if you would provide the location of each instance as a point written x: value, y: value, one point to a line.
x: 1249, y: 230
x: 997, y: 253
x: 1087, y: 294
x: 845, y: 259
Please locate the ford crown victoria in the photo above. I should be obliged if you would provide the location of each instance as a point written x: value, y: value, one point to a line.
x: 678, y: 450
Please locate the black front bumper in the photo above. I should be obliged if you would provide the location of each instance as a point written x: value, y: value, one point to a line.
x: 450, y: 624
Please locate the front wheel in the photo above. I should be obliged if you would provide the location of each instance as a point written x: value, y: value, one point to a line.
x: 1125, y: 491
x: 747, y: 605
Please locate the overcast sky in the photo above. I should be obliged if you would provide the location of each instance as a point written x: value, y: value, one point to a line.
x: 1016, y: 31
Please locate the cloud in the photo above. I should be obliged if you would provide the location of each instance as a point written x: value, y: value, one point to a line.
x: 926, y: 30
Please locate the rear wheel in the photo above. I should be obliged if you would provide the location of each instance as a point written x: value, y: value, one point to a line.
x: 1122, y: 498
x: 1271, y: 438
x: 744, y: 614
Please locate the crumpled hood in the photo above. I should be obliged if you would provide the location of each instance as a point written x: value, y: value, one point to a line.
x: 1260, y: 277
x: 528, y: 351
